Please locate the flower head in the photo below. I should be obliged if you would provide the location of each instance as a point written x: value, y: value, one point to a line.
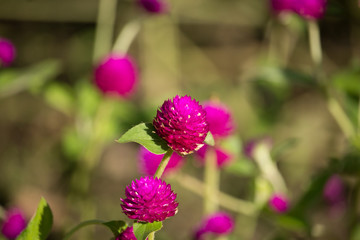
x: 7, y: 52
x: 218, y: 223
x: 334, y: 192
x: 219, y: 118
x: 13, y: 224
x: 153, y: 6
x: 278, y: 203
x: 310, y: 9
x: 127, y: 234
x: 222, y: 157
x: 149, y: 199
x: 116, y: 74
x: 182, y: 123
x: 280, y: 6
x: 149, y: 162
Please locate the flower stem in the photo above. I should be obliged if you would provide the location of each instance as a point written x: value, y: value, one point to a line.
x: 164, y: 162
x: 151, y: 236
x: 81, y: 225
x: 211, y: 179
x: 315, y: 46
x: 127, y: 36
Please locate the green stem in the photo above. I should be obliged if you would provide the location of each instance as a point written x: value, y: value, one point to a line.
x: 211, y: 179
x: 104, y: 28
x: 127, y: 36
x: 151, y: 236
x: 315, y: 46
x: 81, y: 225
x: 164, y: 162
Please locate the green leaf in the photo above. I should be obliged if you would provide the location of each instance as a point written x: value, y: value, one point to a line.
x: 209, y: 140
x: 40, y: 225
x: 142, y: 230
x: 144, y: 134
x: 59, y: 96
x: 116, y: 227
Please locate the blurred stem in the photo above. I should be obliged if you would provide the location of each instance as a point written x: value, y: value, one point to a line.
x: 127, y: 36
x: 2, y: 212
x: 151, y: 236
x: 104, y: 28
x: 164, y: 162
x: 211, y: 179
x: 315, y: 46
x: 81, y: 225
x: 226, y: 201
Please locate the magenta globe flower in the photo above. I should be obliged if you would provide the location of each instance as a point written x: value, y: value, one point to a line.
x: 13, y: 223
x: 334, y: 190
x: 149, y: 162
x: 149, y: 199
x: 278, y: 203
x: 218, y: 223
x: 222, y: 157
x: 310, y: 9
x: 219, y: 118
x: 153, y: 6
x: 281, y: 6
x: 7, y: 52
x: 182, y: 123
x: 116, y: 75
x: 128, y: 234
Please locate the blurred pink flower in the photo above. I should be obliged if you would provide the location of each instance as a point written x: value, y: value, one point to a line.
x: 7, y: 52
x: 278, y: 203
x: 219, y: 223
x: 310, y: 9
x: 154, y: 6
x: 280, y: 6
x: 127, y: 234
x: 334, y: 192
x: 13, y: 223
x: 222, y: 156
x: 117, y: 75
x: 149, y: 162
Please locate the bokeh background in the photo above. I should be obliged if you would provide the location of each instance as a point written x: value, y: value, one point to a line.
x: 234, y: 50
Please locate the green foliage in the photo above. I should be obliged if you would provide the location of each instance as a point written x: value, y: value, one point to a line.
x: 209, y: 140
x: 144, y: 134
x: 142, y: 230
x: 116, y: 227
x: 59, y: 96
x: 242, y: 167
x: 40, y: 225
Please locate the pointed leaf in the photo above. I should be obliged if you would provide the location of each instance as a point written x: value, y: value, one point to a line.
x: 116, y: 227
x: 142, y: 230
x: 144, y: 134
x: 40, y: 225
x: 209, y: 140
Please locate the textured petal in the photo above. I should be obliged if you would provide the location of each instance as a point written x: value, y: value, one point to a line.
x: 128, y: 234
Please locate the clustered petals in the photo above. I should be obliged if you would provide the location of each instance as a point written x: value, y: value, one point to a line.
x: 153, y: 6
x: 7, y: 52
x: 127, y: 234
x: 182, y: 123
x: 116, y: 75
x: 279, y: 203
x: 13, y: 224
x: 149, y: 162
x: 149, y: 199
x: 218, y: 223
x: 309, y: 9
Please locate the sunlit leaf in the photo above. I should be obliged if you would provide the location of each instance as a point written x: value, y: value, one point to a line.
x: 142, y: 230
x: 116, y: 227
x: 209, y: 140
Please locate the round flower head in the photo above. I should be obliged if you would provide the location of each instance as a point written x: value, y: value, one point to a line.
x: 280, y: 6
x: 222, y: 157
x: 218, y: 223
x: 182, y: 123
x: 153, y: 6
x: 149, y: 162
x: 219, y: 118
x: 310, y: 9
x: 13, y: 224
x: 149, y: 199
x: 278, y: 203
x: 334, y: 192
x: 7, y: 52
x: 117, y: 75
x: 128, y: 234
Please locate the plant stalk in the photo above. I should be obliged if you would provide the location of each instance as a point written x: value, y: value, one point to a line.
x: 211, y: 179
x: 127, y: 36
x: 164, y: 162
x: 81, y: 225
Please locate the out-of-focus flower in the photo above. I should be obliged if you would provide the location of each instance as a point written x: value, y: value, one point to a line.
x: 149, y: 199
x: 219, y: 223
x: 222, y: 157
x: 280, y: 6
x: 149, y: 162
x: 153, y: 6
x: 116, y: 75
x: 7, y: 52
x: 310, y: 9
x: 278, y: 203
x: 13, y: 223
x: 219, y: 118
x: 182, y: 123
x: 334, y: 192
x: 250, y: 146
x: 128, y: 234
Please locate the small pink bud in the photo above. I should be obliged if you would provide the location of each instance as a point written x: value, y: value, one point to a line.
x: 153, y: 6
x: 219, y: 223
x: 310, y: 9
x: 7, y: 52
x: 334, y: 192
x: 13, y: 224
x: 278, y: 203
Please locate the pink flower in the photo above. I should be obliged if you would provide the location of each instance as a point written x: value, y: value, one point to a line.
x: 13, y: 224
x: 128, y: 234
x: 181, y: 122
x: 219, y: 118
x: 278, y: 203
x: 149, y: 199
x: 153, y: 6
x: 7, y: 52
x: 334, y: 192
x: 218, y: 223
x: 117, y: 75
x: 310, y: 9
x: 222, y: 157
x: 149, y: 162
x: 280, y: 6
